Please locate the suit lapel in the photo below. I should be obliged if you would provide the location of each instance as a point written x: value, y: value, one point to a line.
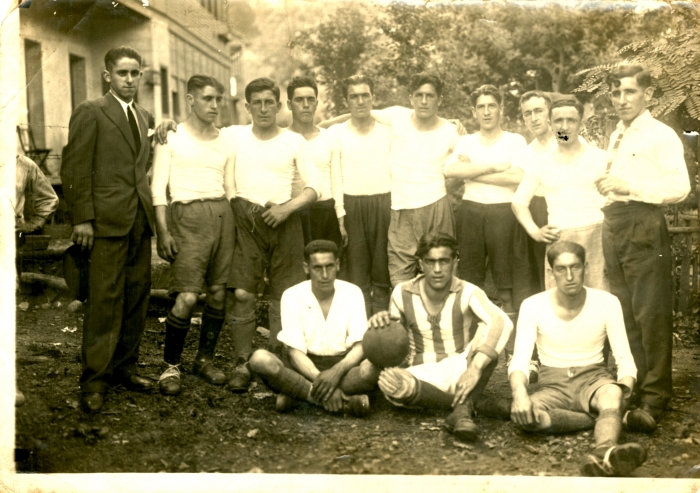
x: 115, y: 112
x: 143, y: 130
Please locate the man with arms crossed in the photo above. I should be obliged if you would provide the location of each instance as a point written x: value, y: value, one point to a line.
x: 569, y: 324
x: 421, y: 144
x: 647, y: 169
x: 448, y: 366
x: 268, y: 236
x: 195, y: 232
x: 104, y: 177
x: 321, y: 221
x: 485, y: 221
x: 361, y: 182
x: 567, y: 177
x: 323, y: 322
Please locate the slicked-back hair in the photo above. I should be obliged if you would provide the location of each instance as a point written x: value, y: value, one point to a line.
x: 535, y: 94
x: 486, y: 90
x: 301, y: 81
x: 260, y: 85
x: 436, y: 240
x: 320, y: 246
x: 567, y: 103
x: 116, y: 54
x: 641, y: 75
x: 426, y: 78
x: 561, y: 247
x: 356, y: 80
x: 199, y: 81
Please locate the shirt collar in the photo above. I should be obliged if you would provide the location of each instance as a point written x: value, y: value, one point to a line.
x: 413, y: 286
x: 312, y: 297
x: 640, y: 121
x: 123, y: 103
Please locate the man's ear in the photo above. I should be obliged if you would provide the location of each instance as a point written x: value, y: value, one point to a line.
x: 649, y: 93
x: 279, y: 105
x: 306, y: 268
x: 189, y: 98
x: 247, y: 108
x: 289, y: 105
x: 439, y: 101
x: 106, y: 75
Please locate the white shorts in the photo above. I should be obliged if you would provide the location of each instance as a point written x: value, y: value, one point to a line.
x: 444, y: 374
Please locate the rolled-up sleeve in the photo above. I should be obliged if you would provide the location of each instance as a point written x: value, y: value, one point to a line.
x: 617, y: 335
x: 161, y: 172
x: 497, y: 324
x: 525, y: 337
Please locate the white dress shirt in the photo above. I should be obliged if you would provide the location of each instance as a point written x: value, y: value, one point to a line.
x: 304, y: 327
x: 126, y: 105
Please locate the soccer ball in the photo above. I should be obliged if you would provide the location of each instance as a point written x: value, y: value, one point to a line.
x: 386, y: 346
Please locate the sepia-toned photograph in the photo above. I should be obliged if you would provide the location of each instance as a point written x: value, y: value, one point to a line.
x: 325, y: 245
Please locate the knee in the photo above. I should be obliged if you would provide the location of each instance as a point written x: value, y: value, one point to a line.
x: 243, y: 299
x: 216, y: 294
x: 184, y: 303
x: 264, y: 362
x: 609, y: 397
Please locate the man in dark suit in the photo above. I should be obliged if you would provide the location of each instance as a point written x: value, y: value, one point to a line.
x: 105, y: 184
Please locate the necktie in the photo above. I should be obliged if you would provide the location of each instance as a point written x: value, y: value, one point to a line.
x: 134, y: 129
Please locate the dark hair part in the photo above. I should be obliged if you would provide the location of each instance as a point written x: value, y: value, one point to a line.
x: 567, y: 103
x: 260, y: 85
x: 535, y: 94
x: 356, y: 80
x: 436, y: 240
x: 320, y: 246
x: 301, y: 81
x: 641, y: 75
x: 486, y: 90
x: 561, y: 247
x: 116, y: 54
x: 426, y: 78
x: 201, y: 81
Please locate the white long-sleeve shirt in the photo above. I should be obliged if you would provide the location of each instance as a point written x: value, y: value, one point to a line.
x: 650, y: 159
x: 264, y: 169
x: 578, y: 342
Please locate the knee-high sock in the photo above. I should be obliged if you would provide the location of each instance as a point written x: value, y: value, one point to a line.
x: 361, y: 379
x: 212, y: 321
x: 429, y: 396
x: 607, y: 428
x: 564, y: 421
x: 290, y: 383
x: 243, y: 328
x: 275, y: 318
x: 176, y: 329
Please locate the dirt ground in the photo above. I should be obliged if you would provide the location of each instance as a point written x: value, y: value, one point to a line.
x: 209, y: 429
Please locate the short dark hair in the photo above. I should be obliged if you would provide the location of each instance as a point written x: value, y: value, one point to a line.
x: 320, y: 246
x: 116, y: 54
x: 356, y: 80
x: 561, y: 247
x: 436, y: 240
x: 201, y: 81
x: 301, y: 81
x: 486, y: 90
x: 566, y: 103
x: 260, y: 85
x: 641, y: 75
x: 535, y: 94
x: 426, y: 78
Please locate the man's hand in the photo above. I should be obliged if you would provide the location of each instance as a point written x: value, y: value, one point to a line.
x: 378, y: 320
x: 612, y: 184
x: 522, y: 412
x: 28, y: 227
x: 335, y: 402
x: 275, y: 215
x: 162, y: 131
x: 546, y: 234
x: 167, y: 247
x: 466, y: 384
x: 83, y: 235
x: 343, y: 234
x: 326, y: 384
x: 461, y: 129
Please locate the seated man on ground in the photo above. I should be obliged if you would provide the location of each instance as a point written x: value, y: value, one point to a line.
x: 448, y: 366
x: 323, y: 322
x: 569, y: 324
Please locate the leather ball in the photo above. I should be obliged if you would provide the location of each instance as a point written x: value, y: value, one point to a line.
x: 386, y: 346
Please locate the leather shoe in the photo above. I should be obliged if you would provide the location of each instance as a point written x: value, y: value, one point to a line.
x: 92, y: 402
x: 137, y: 383
x: 240, y: 379
x: 654, y: 411
x: 460, y: 423
x: 284, y: 403
x: 492, y: 407
x: 169, y: 382
x: 358, y: 405
x: 639, y: 420
x: 206, y: 370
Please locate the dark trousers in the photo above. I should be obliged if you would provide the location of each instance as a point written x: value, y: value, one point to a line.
x: 637, y: 253
x: 529, y: 256
x: 367, y: 224
x: 115, y: 314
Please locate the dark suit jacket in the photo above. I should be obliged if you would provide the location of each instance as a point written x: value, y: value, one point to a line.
x: 103, y: 177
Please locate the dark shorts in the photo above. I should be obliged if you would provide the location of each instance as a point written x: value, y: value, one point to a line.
x: 322, y: 363
x: 203, y: 231
x: 486, y: 231
x: 260, y: 248
x: 570, y: 389
x: 367, y: 224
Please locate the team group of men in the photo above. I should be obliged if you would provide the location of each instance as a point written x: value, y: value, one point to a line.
x: 363, y: 197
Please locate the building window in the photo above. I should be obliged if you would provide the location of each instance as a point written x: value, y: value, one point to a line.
x: 176, y: 105
x: 78, y: 83
x: 35, y: 91
x: 164, y: 92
